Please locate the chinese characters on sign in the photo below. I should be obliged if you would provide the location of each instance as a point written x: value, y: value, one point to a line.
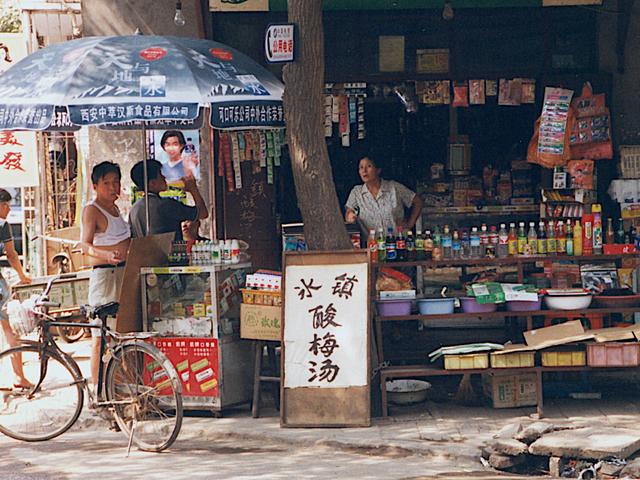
x: 101, y: 114
x: 279, y: 43
x: 325, y: 326
x: 242, y: 114
x: 18, y: 159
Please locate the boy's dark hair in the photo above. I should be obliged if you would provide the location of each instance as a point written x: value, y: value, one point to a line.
x: 173, y: 133
x: 154, y: 167
x: 4, y: 196
x: 102, y: 169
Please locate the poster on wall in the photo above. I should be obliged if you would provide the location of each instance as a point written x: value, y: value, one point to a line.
x: 239, y: 5
x: 179, y: 153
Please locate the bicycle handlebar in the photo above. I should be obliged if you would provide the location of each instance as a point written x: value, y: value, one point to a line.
x: 64, y: 276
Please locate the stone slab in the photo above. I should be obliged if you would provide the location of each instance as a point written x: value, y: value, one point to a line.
x: 509, y: 446
x: 588, y: 443
x: 504, y: 462
x: 533, y: 432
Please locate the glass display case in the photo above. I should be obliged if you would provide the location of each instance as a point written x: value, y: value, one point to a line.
x: 195, y: 312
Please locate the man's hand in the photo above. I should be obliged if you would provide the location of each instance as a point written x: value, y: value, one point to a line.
x: 115, y: 257
x: 189, y: 183
x: 25, y: 280
x: 351, y: 216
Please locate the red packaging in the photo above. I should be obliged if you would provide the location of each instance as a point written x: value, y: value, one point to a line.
x: 619, y: 249
x: 587, y: 234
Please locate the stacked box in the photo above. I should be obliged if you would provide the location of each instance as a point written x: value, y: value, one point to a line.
x: 509, y: 391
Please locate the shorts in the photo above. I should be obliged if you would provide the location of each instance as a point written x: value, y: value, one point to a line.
x: 5, y: 296
x: 104, y: 287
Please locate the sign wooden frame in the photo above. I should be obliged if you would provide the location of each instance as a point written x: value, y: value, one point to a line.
x: 307, y: 406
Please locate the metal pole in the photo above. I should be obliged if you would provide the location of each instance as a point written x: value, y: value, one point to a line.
x: 146, y: 179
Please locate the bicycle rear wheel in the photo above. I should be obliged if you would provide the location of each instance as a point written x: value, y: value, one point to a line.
x: 49, y: 411
x: 146, y: 394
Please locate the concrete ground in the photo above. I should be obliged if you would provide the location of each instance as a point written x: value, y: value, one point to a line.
x: 428, y: 440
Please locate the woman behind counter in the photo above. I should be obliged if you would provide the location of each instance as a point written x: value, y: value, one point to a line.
x: 379, y: 203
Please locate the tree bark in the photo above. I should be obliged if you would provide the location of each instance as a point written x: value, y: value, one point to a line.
x: 304, y: 112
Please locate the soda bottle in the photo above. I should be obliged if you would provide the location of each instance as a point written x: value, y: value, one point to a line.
x: 596, y: 210
x: 522, y: 238
x: 437, y: 236
x: 620, y: 232
x: 551, y: 239
x: 474, y: 243
x: 217, y: 253
x: 532, y: 239
x: 382, y: 246
x: 456, y: 245
x: 428, y: 245
x: 587, y: 234
x: 513, y: 240
x: 419, y: 245
x: 611, y: 236
x: 466, y: 244
x: 446, y: 242
x: 569, y: 238
x: 411, y: 247
x: 503, y: 242
x: 235, y: 250
x: 577, y: 239
x: 391, y: 246
x: 401, y: 245
x: 484, y: 240
x: 492, y: 247
x: 437, y: 248
x: 542, y: 239
x: 226, y: 252
x: 372, y: 246
x: 561, y: 239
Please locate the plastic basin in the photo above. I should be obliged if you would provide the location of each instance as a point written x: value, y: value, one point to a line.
x: 471, y: 305
x: 436, y: 306
x: 524, y: 306
x: 407, y: 391
x: 391, y: 308
x: 567, y: 302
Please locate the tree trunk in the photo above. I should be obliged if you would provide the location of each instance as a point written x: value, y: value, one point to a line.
x: 304, y: 112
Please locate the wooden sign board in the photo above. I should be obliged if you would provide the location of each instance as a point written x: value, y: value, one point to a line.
x: 325, y: 348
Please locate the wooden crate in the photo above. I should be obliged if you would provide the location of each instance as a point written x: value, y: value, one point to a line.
x: 466, y: 361
x: 564, y: 358
x: 513, y: 360
x: 613, y: 354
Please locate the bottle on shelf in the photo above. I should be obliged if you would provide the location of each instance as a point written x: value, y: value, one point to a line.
x: 382, y: 246
x: 372, y: 246
x: 428, y: 245
x: 456, y: 245
x: 437, y: 247
x: 226, y: 253
x: 610, y: 235
x: 419, y: 245
x: 217, y: 253
x: 542, y: 239
x: 390, y: 243
x: 493, y: 239
x: 466, y: 244
x: 484, y: 240
x: 437, y: 236
x: 503, y: 242
x: 551, y: 239
x: 522, y: 238
x: 513, y: 240
x: 620, y: 232
x: 235, y: 250
x: 411, y: 247
x: 587, y: 234
x: 561, y: 239
x: 401, y: 245
x: 570, y: 249
x: 474, y: 243
x: 596, y: 210
x: 446, y: 241
x: 577, y: 239
x: 532, y: 239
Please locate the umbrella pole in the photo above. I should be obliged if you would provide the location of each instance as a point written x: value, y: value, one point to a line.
x: 146, y: 178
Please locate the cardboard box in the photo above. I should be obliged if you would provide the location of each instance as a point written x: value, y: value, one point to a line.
x: 260, y: 322
x: 509, y: 391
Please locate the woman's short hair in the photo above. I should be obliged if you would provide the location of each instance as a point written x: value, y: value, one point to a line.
x: 173, y: 133
x: 371, y: 158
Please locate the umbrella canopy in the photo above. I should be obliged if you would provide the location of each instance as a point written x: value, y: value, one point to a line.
x: 106, y: 80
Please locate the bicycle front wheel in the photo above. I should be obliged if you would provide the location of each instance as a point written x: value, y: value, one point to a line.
x: 145, y: 391
x: 49, y: 411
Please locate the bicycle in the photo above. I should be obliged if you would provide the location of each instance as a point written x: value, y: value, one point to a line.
x: 137, y: 384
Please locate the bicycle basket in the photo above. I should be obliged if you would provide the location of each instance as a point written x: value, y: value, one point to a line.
x: 22, y: 318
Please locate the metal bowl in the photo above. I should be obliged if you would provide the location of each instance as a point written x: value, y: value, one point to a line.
x: 407, y: 391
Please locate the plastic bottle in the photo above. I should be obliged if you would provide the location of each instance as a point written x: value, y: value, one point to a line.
x: 596, y: 210
x: 542, y: 239
x: 587, y: 234
x: 492, y: 247
x: 620, y: 232
x: 611, y: 235
x: 577, y: 239
x: 503, y: 242
x: 372, y: 246
x: 551, y: 239
x: 561, y: 239
x: 390, y: 242
x: 195, y: 254
x: 428, y: 245
x: 216, y: 253
x: 522, y: 238
x: 532, y: 239
x: 437, y: 236
x: 484, y: 240
x: 226, y: 252
x: 570, y: 250
x: 382, y: 246
x: 401, y: 245
x: 474, y: 243
x: 456, y: 245
x: 466, y: 244
x: 235, y: 250
x: 446, y: 241
x: 513, y: 240
x: 411, y: 247
x: 419, y: 245
x: 437, y: 248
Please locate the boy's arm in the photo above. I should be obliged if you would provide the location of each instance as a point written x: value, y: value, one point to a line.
x: 14, y: 261
x: 106, y: 254
x: 191, y: 187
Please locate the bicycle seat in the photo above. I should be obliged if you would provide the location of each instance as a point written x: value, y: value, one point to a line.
x: 102, y: 311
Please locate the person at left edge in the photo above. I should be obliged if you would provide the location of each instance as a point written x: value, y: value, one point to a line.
x: 105, y: 238
x: 6, y: 245
x: 165, y: 214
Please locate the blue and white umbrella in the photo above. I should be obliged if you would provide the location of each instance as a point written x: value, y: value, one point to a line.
x: 139, y: 78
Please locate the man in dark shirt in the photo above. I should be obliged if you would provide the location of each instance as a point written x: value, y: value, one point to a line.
x: 165, y: 214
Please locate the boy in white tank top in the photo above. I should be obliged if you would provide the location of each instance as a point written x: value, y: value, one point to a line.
x: 105, y: 240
